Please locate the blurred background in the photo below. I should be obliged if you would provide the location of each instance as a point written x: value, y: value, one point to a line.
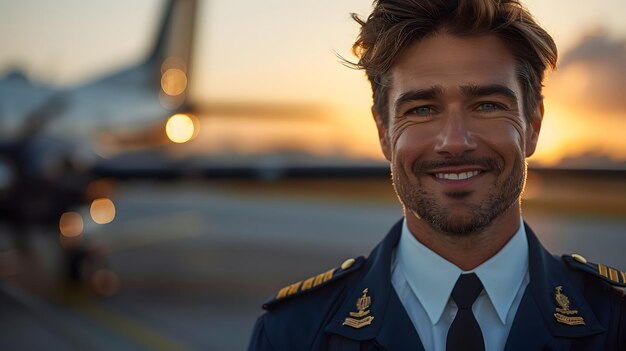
x: 165, y: 166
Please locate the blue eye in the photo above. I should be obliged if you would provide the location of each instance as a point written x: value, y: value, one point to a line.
x: 422, y: 111
x: 488, y: 106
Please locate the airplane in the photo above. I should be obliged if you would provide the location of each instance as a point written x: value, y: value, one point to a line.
x: 54, y: 140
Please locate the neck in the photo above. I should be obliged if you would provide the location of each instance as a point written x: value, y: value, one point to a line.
x: 470, y: 251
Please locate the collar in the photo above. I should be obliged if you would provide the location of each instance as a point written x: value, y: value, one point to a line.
x: 503, y: 274
x: 432, y: 278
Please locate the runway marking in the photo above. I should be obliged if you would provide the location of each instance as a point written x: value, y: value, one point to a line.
x: 133, y: 331
x: 87, y: 307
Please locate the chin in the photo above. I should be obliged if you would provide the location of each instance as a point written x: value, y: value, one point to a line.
x: 460, y: 225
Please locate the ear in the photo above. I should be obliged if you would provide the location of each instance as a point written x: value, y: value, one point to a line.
x: 383, y: 135
x: 534, y: 127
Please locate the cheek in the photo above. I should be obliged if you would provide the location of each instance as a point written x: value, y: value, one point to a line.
x: 398, y: 133
x: 408, y: 137
x: 517, y: 129
x: 502, y: 133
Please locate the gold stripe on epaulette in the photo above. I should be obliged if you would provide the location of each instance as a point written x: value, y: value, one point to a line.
x: 613, y: 275
x: 282, y: 293
x: 329, y: 275
x: 288, y: 290
x: 602, y: 270
x: 318, y: 279
x: 623, y: 277
x: 308, y: 284
x: 323, y: 277
x: 294, y: 288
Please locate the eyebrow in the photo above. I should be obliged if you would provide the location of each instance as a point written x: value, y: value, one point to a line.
x: 486, y: 90
x: 420, y: 94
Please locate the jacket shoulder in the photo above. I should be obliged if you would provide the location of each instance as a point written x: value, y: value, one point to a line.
x: 296, y: 313
x: 603, y: 289
x: 600, y: 271
x: 304, y: 287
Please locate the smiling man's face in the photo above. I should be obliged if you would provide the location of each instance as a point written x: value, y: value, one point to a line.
x: 457, y: 136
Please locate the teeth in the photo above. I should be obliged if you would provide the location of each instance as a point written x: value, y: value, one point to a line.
x: 457, y: 176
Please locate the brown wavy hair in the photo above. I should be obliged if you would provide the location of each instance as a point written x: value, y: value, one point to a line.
x: 394, y: 25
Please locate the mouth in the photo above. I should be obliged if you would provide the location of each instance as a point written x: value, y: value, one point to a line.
x: 457, y: 175
x: 460, y: 178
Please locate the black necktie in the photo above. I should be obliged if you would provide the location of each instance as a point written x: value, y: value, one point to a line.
x: 464, y: 333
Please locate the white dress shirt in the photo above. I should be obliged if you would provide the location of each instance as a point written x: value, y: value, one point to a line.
x: 424, y: 281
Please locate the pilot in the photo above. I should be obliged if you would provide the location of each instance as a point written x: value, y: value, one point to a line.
x: 458, y: 107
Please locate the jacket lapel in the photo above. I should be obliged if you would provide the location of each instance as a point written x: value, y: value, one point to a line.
x: 542, y: 318
x: 398, y: 332
x: 390, y: 328
x: 528, y: 331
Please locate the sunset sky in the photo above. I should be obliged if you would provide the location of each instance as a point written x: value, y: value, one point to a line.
x: 283, y: 52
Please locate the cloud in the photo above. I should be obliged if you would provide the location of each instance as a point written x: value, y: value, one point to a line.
x: 592, y: 75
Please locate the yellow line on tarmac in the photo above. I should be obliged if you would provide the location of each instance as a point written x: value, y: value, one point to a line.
x: 121, y: 324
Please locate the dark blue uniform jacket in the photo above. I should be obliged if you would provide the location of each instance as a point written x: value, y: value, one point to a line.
x: 313, y: 320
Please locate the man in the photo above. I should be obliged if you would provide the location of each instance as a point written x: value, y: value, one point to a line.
x: 458, y: 106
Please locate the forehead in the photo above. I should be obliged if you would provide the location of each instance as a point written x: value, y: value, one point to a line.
x: 450, y: 62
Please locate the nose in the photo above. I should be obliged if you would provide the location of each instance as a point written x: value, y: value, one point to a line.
x: 454, y: 138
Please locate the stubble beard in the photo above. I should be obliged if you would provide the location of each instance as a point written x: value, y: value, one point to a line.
x: 466, y: 219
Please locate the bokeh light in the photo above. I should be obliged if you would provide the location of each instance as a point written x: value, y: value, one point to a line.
x: 180, y: 128
x: 102, y: 211
x: 174, y: 81
x: 71, y: 224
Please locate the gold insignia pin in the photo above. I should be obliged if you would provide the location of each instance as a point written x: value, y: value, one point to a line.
x: 361, y: 318
x: 563, y: 313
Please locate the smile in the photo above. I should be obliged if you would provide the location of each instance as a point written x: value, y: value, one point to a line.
x: 457, y: 176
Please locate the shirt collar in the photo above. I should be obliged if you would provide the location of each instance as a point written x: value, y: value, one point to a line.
x: 503, y: 273
x: 432, y: 278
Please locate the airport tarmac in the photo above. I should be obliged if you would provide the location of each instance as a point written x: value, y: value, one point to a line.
x: 194, y: 261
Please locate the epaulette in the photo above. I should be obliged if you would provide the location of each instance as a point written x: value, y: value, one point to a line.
x: 604, y: 272
x: 313, y: 283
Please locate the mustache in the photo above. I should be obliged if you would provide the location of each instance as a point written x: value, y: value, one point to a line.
x: 487, y: 163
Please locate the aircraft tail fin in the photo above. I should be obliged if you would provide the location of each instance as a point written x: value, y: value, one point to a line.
x: 175, y: 38
x: 174, y: 44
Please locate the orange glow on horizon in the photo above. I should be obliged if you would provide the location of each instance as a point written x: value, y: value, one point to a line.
x: 570, y: 131
x: 550, y: 148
